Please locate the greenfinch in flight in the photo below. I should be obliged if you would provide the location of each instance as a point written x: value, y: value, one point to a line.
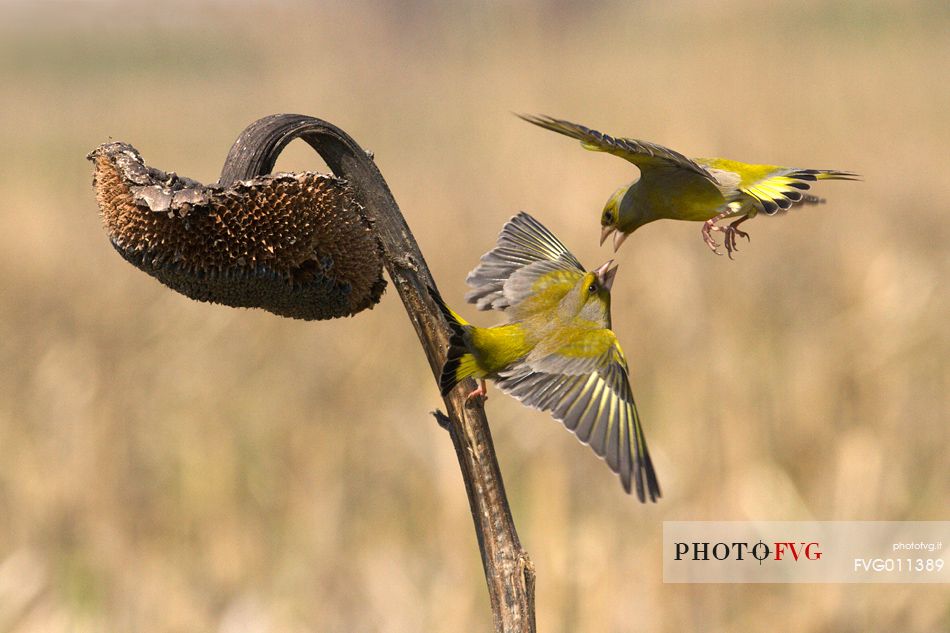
x: 557, y: 353
x: 706, y: 190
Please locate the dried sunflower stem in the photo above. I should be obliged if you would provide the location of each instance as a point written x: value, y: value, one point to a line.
x: 508, y: 570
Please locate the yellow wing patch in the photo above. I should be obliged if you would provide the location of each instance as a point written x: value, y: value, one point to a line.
x: 779, y: 191
x: 772, y: 188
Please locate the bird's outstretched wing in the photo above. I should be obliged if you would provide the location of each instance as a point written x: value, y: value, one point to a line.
x: 773, y: 188
x: 643, y: 154
x: 526, y: 260
x: 584, y: 384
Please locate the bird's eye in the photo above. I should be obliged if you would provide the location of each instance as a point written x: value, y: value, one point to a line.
x: 608, y: 216
x: 592, y: 288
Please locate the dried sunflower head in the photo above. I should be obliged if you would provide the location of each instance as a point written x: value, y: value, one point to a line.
x: 298, y: 245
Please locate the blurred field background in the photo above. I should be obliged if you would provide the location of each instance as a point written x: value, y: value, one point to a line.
x: 173, y: 466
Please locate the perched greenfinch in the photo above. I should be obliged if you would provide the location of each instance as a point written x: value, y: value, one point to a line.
x: 557, y: 352
x: 705, y: 190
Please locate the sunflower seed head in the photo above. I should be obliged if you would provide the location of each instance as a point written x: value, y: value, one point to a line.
x: 298, y: 245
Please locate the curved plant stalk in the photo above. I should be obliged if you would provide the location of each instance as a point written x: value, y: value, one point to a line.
x: 508, y: 570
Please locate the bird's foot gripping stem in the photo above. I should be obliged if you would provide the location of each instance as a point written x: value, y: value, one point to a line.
x: 480, y: 392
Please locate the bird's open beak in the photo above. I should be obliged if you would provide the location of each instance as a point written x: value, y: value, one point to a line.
x: 619, y: 237
x: 605, y: 274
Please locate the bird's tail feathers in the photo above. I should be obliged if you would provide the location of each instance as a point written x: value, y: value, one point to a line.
x: 786, y: 188
x: 459, y: 363
x: 830, y: 174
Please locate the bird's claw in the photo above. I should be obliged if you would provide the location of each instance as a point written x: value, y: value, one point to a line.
x: 729, y: 238
x: 708, y: 226
x: 729, y: 232
x: 481, y: 392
